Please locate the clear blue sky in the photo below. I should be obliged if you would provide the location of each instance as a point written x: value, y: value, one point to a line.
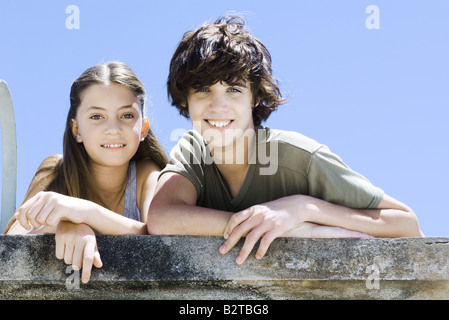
x: 377, y: 97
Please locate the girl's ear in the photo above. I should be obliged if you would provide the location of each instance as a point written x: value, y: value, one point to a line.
x: 145, y: 128
x: 75, y: 131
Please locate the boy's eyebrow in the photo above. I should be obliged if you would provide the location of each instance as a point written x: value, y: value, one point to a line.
x: 232, y: 83
x: 239, y: 83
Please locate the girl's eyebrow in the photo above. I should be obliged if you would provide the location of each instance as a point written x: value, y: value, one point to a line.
x: 101, y: 108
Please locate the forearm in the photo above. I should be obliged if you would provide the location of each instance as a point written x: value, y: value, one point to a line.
x: 184, y: 219
x: 391, y: 219
x: 104, y: 221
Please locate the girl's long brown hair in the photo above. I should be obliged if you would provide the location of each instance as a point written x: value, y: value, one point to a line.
x: 71, y: 174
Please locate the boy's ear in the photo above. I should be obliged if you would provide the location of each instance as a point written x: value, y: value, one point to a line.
x: 145, y: 128
x: 184, y: 103
x: 75, y: 131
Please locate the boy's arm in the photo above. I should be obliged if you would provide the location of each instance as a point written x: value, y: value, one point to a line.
x: 391, y: 219
x: 286, y: 216
x: 173, y: 210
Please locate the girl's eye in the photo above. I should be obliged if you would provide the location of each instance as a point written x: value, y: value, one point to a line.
x: 96, y: 117
x: 128, y: 116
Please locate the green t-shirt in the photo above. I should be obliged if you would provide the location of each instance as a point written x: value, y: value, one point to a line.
x: 283, y: 163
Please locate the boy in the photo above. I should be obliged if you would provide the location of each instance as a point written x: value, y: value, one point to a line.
x: 231, y: 176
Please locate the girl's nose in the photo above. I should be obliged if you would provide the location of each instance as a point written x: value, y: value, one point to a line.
x: 112, y: 127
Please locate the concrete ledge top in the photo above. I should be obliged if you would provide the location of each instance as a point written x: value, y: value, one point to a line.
x: 290, y: 268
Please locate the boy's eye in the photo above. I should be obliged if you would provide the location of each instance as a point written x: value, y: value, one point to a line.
x: 233, y: 89
x: 205, y: 89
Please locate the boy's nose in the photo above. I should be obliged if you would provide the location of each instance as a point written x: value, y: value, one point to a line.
x: 218, y: 102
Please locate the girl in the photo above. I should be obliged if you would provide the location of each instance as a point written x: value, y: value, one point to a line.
x: 105, y: 179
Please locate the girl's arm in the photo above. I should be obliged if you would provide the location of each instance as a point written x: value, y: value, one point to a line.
x: 45, y: 174
x: 49, y: 208
x: 147, y: 173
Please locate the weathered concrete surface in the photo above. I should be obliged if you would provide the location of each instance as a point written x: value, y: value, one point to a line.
x: 186, y: 267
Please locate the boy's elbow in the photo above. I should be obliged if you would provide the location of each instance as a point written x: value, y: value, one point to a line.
x: 416, y: 229
x: 413, y: 229
x: 157, y: 223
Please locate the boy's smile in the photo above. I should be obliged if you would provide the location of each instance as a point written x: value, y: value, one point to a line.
x: 220, y: 124
x: 221, y: 112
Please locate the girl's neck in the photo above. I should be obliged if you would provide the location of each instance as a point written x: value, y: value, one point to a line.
x: 110, y: 183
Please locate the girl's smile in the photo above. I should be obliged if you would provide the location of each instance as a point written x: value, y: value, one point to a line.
x: 109, y: 119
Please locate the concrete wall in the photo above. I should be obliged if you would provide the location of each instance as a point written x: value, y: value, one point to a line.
x: 186, y: 267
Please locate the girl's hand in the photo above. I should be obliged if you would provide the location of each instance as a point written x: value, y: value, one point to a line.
x: 286, y: 217
x: 77, y: 245
x: 49, y: 208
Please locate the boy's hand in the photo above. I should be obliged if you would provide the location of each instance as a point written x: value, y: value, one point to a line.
x: 77, y: 245
x: 283, y: 217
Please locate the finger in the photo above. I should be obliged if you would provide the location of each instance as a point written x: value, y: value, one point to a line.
x: 59, y: 247
x: 235, y: 220
x: 88, y: 259
x: 236, y: 234
x: 265, y: 243
x: 250, y: 242
x: 33, y: 212
x: 53, y: 217
x: 97, y: 259
x: 21, y: 214
x: 77, y: 258
x: 68, y: 254
x: 43, y: 215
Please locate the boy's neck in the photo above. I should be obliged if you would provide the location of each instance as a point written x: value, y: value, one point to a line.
x: 234, y: 176
x: 237, y: 154
x: 233, y: 162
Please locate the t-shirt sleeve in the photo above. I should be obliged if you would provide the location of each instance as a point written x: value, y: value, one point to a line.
x: 330, y: 179
x: 187, y: 158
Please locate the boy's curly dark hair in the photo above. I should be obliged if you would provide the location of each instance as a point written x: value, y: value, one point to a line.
x: 223, y: 51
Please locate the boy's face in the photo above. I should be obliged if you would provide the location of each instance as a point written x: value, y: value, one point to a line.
x: 222, y: 112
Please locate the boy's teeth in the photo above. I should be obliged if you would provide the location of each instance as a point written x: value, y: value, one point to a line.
x: 219, y: 124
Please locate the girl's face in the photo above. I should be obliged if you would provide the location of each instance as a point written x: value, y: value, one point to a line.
x: 110, y: 124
